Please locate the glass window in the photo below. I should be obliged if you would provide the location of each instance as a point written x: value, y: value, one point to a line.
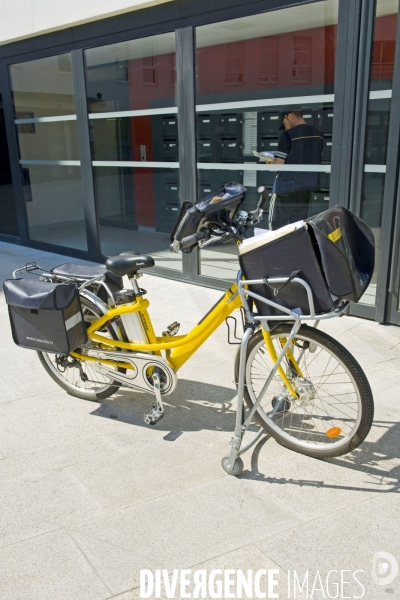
x: 8, y: 215
x: 134, y: 140
x: 48, y: 141
x: 43, y: 88
x: 45, y: 120
x: 54, y: 204
x: 377, y: 126
x: 249, y: 71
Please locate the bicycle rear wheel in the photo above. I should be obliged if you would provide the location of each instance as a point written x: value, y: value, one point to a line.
x: 334, y: 411
x: 78, y: 377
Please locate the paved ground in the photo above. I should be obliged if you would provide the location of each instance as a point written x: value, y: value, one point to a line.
x: 89, y: 495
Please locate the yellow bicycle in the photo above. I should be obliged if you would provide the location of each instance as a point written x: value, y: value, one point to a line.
x: 299, y: 384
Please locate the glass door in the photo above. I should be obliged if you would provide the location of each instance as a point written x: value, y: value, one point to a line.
x: 377, y: 130
x: 133, y: 116
x: 249, y: 71
x: 46, y: 124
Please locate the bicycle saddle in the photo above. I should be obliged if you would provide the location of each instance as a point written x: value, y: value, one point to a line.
x: 128, y: 264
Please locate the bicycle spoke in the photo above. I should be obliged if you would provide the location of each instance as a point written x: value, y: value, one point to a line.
x: 327, y: 410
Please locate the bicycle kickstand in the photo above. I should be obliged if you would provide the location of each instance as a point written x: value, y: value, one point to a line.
x: 154, y: 415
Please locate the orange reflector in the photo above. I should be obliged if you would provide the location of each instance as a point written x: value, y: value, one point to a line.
x: 333, y: 432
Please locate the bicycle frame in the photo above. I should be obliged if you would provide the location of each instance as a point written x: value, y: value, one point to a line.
x: 178, y: 348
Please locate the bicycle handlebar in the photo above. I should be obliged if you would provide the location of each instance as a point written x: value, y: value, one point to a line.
x: 193, y: 239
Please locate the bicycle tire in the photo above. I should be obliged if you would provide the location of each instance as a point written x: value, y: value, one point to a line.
x: 306, y: 426
x: 94, y: 393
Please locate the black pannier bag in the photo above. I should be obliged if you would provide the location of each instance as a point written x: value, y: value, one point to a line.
x: 45, y: 316
x: 194, y: 216
x: 333, y: 252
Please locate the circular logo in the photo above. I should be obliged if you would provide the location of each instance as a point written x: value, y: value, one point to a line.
x: 384, y: 568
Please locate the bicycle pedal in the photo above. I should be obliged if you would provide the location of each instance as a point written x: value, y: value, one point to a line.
x: 152, y: 416
x: 172, y: 329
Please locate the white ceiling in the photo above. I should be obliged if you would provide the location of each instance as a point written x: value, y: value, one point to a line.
x: 297, y: 18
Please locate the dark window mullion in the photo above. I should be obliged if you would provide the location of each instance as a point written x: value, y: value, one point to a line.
x: 5, y: 90
x: 362, y: 101
x: 345, y: 97
x: 78, y: 70
x: 388, y: 259
x: 186, y: 102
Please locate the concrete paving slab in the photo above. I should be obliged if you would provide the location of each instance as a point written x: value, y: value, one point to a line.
x: 29, y: 424
x: 47, y: 567
x: 383, y: 371
x: 311, y: 488
x: 347, y: 539
x: 6, y: 392
x: 55, y: 499
x: 146, y: 472
x: 54, y: 457
x: 130, y: 595
x: 178, y: 530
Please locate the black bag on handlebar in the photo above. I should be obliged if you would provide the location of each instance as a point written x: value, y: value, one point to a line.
x: 194, y: 216
x: 45, y: 316
x: 333, y: 252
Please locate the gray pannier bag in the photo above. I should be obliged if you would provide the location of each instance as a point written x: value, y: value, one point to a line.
x: 45, y: 316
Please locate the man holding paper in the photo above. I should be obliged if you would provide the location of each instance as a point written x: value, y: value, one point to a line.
x: 299, y: 144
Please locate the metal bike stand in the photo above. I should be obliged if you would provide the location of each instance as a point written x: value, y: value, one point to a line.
x: 232, y: 463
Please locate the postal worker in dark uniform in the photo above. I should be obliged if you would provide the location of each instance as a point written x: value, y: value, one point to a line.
x: 299, y: 144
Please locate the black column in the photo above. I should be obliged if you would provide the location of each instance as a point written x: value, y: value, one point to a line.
x: 186, y: 101
x: 12, y: 140
x: 387, y: 288
x: 345, y: 99
x: 362, y: 100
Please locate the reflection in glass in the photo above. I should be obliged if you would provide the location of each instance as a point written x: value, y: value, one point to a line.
x: 137, y: 209
x: 53, y: 193
x: 43, y: 88
x: 384, y: 44
x: 8, y: 215
x: 143, y: 138
x: 132, y: 75
x: 54, y: 205
x: 48, y: 141
x: 371, y: 213
x: 287, y: 53
x: 377, y: 131
x: 242, y: 59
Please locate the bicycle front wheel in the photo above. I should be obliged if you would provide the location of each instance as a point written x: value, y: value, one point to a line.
x: 334, y: 409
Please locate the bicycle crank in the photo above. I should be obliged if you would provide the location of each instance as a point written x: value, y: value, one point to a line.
x: 141, y: 372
